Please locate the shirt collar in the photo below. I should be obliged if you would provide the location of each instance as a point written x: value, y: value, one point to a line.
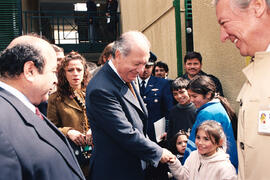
x: 268, y: 48
x: 18, y: 95
x: 146, y: 80
x: 114, y: 69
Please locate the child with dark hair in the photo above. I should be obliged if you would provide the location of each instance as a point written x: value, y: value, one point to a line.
x: 182, y: 116
x: 178, y: 144
x: 210, y: 160
x: 201, y: 90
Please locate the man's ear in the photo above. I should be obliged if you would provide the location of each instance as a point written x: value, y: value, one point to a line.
x: 30, y: 70
x: 117, y: 54
x: 259, y: 7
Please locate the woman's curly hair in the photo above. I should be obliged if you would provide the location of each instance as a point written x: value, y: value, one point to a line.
x: 63, y: 87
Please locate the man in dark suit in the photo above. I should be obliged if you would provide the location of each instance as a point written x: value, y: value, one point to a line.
x: 31, y: 146
x: 156, y: 94
x: 118, y: 117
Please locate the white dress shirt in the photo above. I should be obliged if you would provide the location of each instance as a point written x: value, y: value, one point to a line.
x: 18, y: 95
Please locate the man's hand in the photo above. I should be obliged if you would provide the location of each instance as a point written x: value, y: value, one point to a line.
x: 163, y: 136
x: 167, y: 156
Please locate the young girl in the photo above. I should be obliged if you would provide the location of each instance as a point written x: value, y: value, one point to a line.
x: 179, y: 144
x: 209, y: 161
x: 201, y: 90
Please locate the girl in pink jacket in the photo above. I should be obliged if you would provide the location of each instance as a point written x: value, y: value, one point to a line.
x: 209, y: 161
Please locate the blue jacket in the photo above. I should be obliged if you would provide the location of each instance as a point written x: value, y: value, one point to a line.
x: 214, y: 110
x: 159, y: 100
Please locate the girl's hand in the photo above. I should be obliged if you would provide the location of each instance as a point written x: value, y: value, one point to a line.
x: 88, y: 137
x: 172, y: 160
x: 77, y: 137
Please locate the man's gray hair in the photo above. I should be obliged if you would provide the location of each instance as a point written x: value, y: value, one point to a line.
x: 127, y: 40
x: 242, y: 3
x: 122, y: 45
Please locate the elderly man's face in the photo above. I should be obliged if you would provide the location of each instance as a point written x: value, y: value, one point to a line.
x: 193, y: 67
x: 131, y: 65
x: 238, y: 26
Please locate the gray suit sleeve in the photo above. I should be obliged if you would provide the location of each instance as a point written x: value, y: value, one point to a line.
x: 9, y: 163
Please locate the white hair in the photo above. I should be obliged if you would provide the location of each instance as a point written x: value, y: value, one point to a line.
x: 126, y: 40
x: 241, y: 3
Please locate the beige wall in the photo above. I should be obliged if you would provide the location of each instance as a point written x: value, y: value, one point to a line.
x: 221, y: 59
x: 156, y: 19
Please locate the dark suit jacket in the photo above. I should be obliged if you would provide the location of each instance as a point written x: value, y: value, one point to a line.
x: 159, y: 100
x: 118, y: 123
x: 32, y: 148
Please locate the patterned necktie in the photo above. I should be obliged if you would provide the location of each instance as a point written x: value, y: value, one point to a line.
x: 142, y: 88
x: 131, y: 89
x: 38, y: 113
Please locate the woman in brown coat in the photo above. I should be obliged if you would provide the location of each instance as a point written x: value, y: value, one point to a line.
x: 66, y: 107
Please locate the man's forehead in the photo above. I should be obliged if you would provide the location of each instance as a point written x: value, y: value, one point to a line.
x: 193, y: 60
x: 148, y: 66
x: 160, y: 68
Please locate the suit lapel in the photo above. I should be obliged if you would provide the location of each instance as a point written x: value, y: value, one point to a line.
x: 126, y: 92
x: 46, y: 131
x: 142, y: 105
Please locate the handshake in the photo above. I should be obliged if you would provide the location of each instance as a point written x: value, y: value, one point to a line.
x: 167, y: 156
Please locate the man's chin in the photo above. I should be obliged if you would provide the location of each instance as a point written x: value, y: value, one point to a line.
x: 45, y: 98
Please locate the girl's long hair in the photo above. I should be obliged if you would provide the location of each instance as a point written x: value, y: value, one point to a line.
x: 215, y: 132
x: 63, y: 87
x: 203, y: 85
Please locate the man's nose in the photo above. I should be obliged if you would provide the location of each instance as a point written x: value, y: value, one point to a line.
x: 223, y: 35
x: 140, y: 68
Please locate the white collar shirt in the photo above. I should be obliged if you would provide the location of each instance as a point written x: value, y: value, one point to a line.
x: 18, y: 95
x: 268, y: 48
x: 146, y: 80
x: 114, y: 69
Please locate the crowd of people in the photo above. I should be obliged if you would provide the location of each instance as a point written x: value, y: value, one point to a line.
x: 106, y: 110
x: 103, y: 126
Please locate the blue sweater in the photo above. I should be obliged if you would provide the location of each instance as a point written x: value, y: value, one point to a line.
x: 214, y: 110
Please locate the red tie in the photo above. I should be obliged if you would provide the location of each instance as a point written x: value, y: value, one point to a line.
x: 38, y: 113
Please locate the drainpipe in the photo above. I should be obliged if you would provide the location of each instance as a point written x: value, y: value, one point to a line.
x: 176, y: 4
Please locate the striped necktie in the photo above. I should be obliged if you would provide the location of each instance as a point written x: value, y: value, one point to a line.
x: 131, y: 89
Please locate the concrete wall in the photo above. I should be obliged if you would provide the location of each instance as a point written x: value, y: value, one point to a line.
x: 220, y: 59
x: 156, y: 19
